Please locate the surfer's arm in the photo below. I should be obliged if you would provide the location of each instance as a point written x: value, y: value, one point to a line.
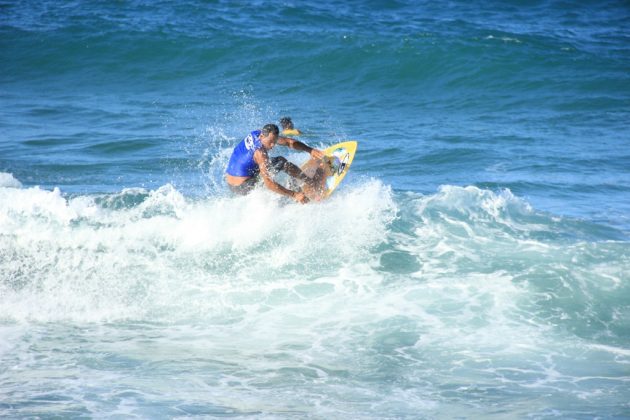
x: 262, y: 159
x: 298, y: 145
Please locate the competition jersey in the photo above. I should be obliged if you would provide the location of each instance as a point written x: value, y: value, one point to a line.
x: 242, y: 161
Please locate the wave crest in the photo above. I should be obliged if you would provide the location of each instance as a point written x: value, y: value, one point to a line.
x: 155, y: 254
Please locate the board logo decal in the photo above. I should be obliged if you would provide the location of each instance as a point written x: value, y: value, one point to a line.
x: 344, y: 163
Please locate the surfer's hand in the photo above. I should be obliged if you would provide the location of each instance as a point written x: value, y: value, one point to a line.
x: 317, y: 154
x: 300, y: 197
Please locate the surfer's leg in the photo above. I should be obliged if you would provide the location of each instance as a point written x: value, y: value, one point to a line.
x: 280, y: 163
x: 312, y: 187
x: 315, y: 189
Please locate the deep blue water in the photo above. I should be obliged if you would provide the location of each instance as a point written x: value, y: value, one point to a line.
x: 474, y: 263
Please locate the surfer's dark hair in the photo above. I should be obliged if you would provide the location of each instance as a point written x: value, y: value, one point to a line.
x: 270, y: 128
x: 286, y: 122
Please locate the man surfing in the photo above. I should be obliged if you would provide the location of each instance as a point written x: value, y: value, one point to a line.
x: 288, y: 129
x: 250, y: 162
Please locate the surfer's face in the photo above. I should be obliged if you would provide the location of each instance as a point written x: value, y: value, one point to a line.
x: 269, y: 140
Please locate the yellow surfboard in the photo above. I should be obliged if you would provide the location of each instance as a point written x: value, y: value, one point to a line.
x: 330, y: 170
x: 297, y: 133
x: 291, y: 132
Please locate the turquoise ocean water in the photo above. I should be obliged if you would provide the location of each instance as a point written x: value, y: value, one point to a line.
x: 475, y: 263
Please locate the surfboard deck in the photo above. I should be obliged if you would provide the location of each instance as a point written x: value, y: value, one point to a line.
x: 329, y: 171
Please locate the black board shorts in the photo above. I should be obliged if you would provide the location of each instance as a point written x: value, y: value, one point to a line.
x: 245, y: 187
x: 276, y: 164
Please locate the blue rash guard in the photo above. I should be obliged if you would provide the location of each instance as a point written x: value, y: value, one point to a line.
x: 242, y: 161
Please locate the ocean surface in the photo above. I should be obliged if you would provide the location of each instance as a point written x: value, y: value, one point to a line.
x: 474, y: 263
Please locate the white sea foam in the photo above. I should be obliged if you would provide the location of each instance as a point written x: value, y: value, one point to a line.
x: 93, y: 258
x: 255, y: 290
x: 8, y: 181
x: 156, y: 255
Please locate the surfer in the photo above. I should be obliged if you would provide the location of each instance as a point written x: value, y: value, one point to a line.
x: 288, y: 129
x: 250, y: 162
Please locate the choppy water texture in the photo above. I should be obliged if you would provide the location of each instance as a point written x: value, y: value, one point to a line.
x: 474, y: 263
